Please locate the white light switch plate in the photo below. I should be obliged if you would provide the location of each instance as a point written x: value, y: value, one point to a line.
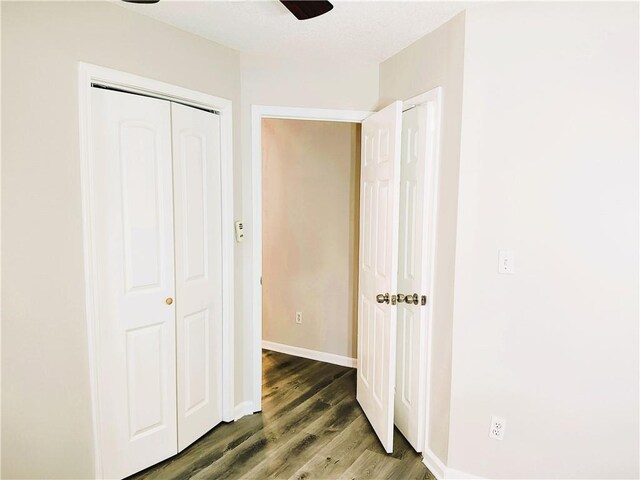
x: 505, y: 261
x: 239, y: 232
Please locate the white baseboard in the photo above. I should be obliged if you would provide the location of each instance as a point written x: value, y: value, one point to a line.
x: 311, y: 354
x: 434, y: 464
x: 242, y: 409
x: 454, y: 474
x: 441, y: 471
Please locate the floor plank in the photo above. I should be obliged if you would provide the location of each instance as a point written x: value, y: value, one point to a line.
x: 370, y: 465
x: 311, y: 427
x: 339, y: 453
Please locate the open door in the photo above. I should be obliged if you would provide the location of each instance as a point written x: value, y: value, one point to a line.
x: 378, y: 268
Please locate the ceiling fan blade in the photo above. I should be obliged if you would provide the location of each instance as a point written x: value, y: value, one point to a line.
x: 305, y: 9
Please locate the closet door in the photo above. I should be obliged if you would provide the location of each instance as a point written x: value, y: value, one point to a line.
x: 196, y: 166
x: 132, y: 219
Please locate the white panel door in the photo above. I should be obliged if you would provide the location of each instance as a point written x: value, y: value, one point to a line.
x: 410, y: 391
x: 418, y: 171
x: 196, y: 166
x: 378, y: 264
x: 134, y: 274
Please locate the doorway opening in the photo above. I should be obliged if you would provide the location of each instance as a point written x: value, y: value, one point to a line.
x: 293, y: 215
x: 260, y: 114
x: 310, y: 216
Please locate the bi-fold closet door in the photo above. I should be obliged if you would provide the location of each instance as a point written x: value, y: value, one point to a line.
x: 398, y: 178
x: 157, y: 223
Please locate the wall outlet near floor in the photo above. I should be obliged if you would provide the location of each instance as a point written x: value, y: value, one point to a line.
x: 498, y: 426
x: 299, y: 317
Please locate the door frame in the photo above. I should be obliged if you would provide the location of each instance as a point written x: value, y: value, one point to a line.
x: 431, y: 223
x: 88, y: 74
x: 258, y: 113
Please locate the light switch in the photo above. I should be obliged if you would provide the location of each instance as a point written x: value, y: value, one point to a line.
x: 505, y: 261
x: 239, y: 232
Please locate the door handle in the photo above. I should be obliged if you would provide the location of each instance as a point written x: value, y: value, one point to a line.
x: 410, y: 299
x: 382, y: 298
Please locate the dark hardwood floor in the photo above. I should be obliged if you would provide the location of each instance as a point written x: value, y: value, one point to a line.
x: 310, y: 427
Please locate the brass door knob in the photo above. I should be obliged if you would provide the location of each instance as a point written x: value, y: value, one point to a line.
x: 169, y: 301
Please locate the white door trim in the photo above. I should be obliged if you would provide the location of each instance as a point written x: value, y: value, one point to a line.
x: 88, y: 74
x: 431, y: 217
x: 258, y: 112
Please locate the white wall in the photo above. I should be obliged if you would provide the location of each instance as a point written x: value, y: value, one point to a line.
x: 271, y: 81
x: 310, y: 200
x: 46, y: 407
x: 437, y: 60
x: 548, y: 168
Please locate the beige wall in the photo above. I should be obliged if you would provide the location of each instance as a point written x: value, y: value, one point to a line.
x: 46, y: 428
x: 437, y: 60
x: 273, y: 81
x: 549, y: 169
x: 310, y: 196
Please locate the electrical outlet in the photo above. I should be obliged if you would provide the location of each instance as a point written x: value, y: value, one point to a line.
x: 505, y: 262
x: 498, y: 426
x: 299, y: 318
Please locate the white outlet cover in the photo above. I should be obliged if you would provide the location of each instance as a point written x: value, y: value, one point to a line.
x: 497, y: 428
x: 506, y: 262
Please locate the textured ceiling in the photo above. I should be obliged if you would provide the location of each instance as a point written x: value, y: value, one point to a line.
x: 354, y: 31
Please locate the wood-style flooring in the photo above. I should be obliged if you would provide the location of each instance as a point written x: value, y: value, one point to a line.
x: 310, y: 427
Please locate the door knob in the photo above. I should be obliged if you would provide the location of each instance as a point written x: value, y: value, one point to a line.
x: 169, y: 301
x: 412, y: 299
x: 382, y: 298
x: 408, y: 299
